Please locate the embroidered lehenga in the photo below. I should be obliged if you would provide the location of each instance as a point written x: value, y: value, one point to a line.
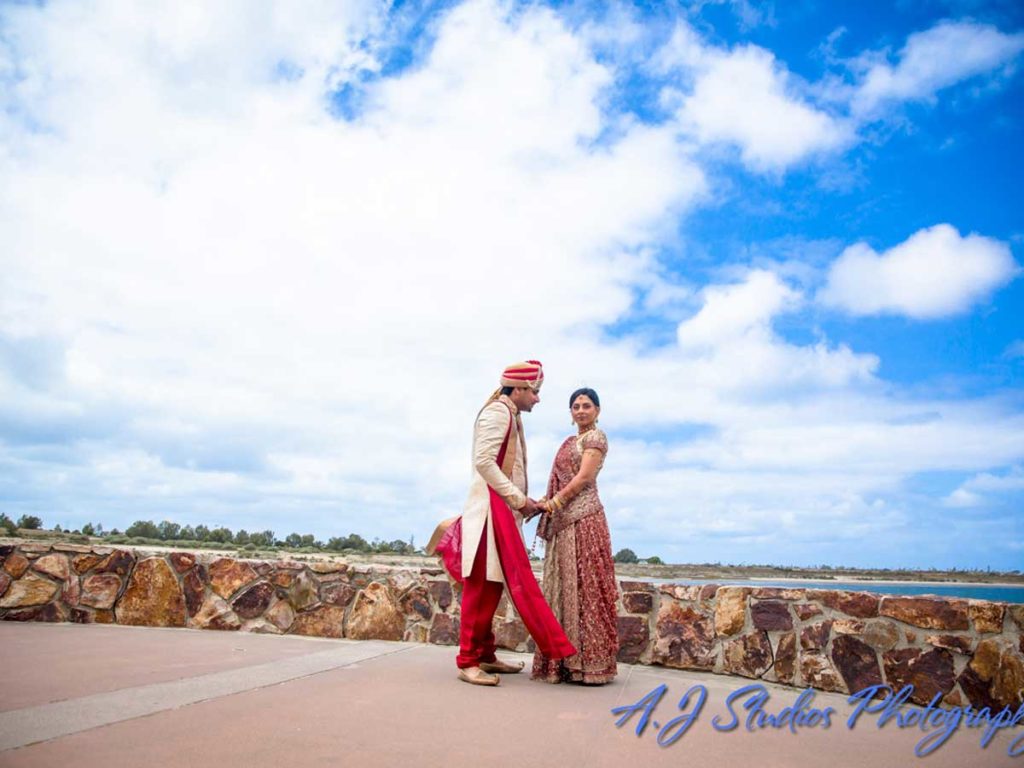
x: 579, y: 574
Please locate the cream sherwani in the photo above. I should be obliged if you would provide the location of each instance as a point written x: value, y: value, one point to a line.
x: 488, y: 434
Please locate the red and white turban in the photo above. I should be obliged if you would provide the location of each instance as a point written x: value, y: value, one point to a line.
x: 530, y: 374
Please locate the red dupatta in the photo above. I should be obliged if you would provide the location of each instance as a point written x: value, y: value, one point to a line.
x: 523, y: 589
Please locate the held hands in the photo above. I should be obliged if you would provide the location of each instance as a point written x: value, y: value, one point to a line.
x: 530, y: 509
x: 554, y: 504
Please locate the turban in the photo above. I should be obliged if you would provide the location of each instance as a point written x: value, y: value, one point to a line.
x: 529, y: 374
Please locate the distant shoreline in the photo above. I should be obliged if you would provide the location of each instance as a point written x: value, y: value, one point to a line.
x: 849, y: 580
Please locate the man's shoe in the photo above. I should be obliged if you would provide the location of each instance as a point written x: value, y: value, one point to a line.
x: 477, y: 676
x: 502, y: 666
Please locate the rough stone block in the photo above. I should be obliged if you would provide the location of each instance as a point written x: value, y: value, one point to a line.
x: 927, y: 612
x: 930, y: 672
x: 634, y: 636
x: 153, y: 597
x: 771, y: 615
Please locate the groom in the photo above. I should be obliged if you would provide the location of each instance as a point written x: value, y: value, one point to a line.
x: 493, y: 551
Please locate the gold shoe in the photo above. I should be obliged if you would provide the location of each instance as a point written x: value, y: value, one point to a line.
x: 502, y: 666
x: 477, y: 676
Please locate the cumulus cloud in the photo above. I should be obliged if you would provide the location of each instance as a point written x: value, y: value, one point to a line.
x: 207, y: 253
x: 222, y: 302
x: 931, y: 60
x: 746, y: 98
x: 985, y: 489
x: 730, y: 343
x: 936, y: 272
x: 736, y: 311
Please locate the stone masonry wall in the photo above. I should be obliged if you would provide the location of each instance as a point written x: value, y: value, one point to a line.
x: 970, y: 651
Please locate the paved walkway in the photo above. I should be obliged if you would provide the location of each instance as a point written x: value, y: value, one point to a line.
x: 108, y: 695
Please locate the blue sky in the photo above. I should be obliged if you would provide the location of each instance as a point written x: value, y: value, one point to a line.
x: 260, y: 268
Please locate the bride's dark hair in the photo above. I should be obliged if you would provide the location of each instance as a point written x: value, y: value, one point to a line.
x: 585, y: 391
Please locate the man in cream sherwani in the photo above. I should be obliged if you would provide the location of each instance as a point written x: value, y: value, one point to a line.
x: 499, y: 458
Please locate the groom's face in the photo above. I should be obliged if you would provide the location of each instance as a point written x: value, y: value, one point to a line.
x: 524, y: 398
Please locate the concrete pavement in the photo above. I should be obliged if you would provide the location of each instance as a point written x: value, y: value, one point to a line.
x: 111, y: 695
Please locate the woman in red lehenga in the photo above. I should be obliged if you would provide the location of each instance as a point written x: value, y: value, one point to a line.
x: 579, y: 574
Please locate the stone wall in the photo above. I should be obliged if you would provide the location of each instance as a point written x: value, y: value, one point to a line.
x: 970, y: 651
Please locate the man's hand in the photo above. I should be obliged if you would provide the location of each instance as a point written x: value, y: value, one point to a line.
x: 530, y: 509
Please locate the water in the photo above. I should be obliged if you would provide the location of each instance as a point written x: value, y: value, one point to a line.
x: 1005, y: 594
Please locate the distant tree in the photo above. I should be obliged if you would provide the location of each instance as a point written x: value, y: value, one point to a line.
x: 335, y: 544
x: 58, y: 529
x: 114, y: 532
x: 145, y: 528
x: 262, y: 538
x: 6, y: 522
x: 242, y: 537
x: 30, y: 522
x: 221, y: 535
x: 626, y: 556
x: 202, y: 533
x: 169, y: 531
x: 188, y: 532
x: 88, y: 529
x: 308, y: 540
x: 355, y: 541
x: 399, y: 546
x: 293, y: 540
x: 654, y: 560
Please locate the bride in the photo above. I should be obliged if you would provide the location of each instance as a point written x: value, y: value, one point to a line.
x: 579, y: 574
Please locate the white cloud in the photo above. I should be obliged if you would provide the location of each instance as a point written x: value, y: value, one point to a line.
x: 210, y: 254
x: 218, y: 303
x: 730, y: 345
x: 746, y: 98
x: 985, y: 488
x: 737, y: 311
x: 934, y: 273
x: 937, y: 58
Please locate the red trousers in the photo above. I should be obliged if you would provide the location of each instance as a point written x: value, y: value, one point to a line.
x: 480, y: 599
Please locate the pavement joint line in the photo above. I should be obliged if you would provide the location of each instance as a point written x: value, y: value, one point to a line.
x: 45, y: 722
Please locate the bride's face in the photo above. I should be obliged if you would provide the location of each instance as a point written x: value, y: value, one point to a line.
x: 584, y: 412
